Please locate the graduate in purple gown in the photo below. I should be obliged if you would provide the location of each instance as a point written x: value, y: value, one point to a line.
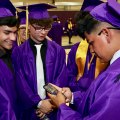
x: 33, y: 104
x: 22, y: 29
x: 102, y: 99
x: 8, y: 32
x: 6, y: 111
x: 83, y: 66
x: 56, y: 31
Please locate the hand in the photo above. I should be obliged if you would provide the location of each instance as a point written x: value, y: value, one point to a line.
x: 40, y: 114
x: 46, y: 107
x: 65, y: 90
x: 58, y: 99
x: 68, y: 94
x: 57, y: 87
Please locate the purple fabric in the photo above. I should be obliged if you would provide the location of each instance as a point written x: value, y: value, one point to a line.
x: 100, y: 102
x: 56, y: 32
x: 7, y: 82
x: 88, y: 75
x: 14, y: 44
x: 38, y: 11
x: 6, y: 111
x: 22, y: 16
x: 6, y: 8
x: 4, y: 12
x: 26, y: 74
x: 88, y: 5
x: 115, y: 5
x: 108, y: 12
x: 54, y: 16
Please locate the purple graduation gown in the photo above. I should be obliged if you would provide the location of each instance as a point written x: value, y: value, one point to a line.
x: 56, y: 32
x: 7, y: 82
x: 6, y: 111
x: 100, y: 102
x: 88, y: 75
x: 24, y: 63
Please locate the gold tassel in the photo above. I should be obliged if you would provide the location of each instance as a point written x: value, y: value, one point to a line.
x: 27, y: 21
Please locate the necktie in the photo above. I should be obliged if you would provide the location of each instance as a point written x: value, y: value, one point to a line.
x: 40, y: 73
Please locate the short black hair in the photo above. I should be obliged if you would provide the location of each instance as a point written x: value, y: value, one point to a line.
x: 85, y: 23
x: 10, y: 21
x: 41, y: 22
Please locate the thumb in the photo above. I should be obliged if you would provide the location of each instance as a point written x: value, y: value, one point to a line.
x: 50, y: 95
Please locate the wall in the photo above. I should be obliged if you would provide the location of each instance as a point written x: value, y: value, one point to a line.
x: 63, y: 15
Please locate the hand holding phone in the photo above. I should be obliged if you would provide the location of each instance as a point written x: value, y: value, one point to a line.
x: 50, y: 89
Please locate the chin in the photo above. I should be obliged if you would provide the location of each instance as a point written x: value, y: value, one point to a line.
x: 9, y: 48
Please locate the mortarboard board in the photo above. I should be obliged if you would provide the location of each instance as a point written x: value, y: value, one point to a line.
x: 22, y: 16
x: 108, y: 12
x: 6, y: 8
x: 88, y: 5
x: 38, y: 11
x: 54, y: 16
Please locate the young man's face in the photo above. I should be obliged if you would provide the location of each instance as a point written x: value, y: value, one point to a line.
x: 38, y: 33
x: 7, y: 37
x: 99, y: 45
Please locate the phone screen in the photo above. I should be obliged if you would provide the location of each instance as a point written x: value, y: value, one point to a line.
x: 49, y: 88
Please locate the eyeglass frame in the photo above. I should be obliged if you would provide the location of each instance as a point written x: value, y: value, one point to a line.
x: 41, y: 28
x: 117, y: 28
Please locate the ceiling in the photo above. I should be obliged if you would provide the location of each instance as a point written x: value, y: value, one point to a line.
x: 61, y: 4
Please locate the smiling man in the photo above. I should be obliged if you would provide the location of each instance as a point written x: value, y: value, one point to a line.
x: 8, y: 32
x: 101, y: 28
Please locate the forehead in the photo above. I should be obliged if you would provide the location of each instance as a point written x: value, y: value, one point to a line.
x: 7, y: 28
x: 90, y: 37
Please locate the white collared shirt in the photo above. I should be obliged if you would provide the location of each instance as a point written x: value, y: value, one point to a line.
x: 115, y: 57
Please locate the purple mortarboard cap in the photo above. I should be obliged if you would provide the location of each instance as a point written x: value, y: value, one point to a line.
x: 54, y: 16
x: 108, y: 12
x: 88, y: 5
x: 38, y: 11
x: 22, y: 16
x: 6, y: 9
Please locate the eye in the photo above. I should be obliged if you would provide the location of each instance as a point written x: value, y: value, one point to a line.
x: 39, y: 28
x: 7, y: 33
x: 91, y: 43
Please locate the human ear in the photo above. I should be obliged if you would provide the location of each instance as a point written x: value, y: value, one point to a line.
x: 107, y: 34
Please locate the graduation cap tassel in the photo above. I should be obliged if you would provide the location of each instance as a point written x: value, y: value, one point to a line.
x: 27, y: 22
x: 18, y: 39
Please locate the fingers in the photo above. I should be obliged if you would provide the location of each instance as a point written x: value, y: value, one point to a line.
x: 58, y: 88
x: 40, y: 114
x: 50, y: 95
x: 67, y: 100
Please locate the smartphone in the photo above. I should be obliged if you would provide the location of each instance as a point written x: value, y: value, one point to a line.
x: 50, y: 89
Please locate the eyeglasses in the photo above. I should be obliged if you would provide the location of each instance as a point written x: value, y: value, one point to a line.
x: 40, y: 28
x: 109, y: 28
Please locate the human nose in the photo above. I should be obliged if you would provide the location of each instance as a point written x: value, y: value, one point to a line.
x: 13, y: 36
x: 43, y: 31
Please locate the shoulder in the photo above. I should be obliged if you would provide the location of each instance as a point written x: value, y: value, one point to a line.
x: 54, y: 45
x: 55, y: 48
x: 74, y: 47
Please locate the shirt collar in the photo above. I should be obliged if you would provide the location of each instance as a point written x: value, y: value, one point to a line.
x: 32, y: 43
x: 115, y: 57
